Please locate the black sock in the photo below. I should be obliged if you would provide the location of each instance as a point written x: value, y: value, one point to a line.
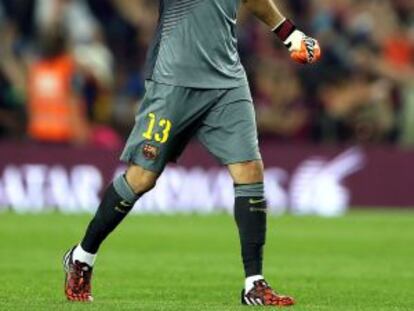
x: 250, y: 215
x: 109, y: 215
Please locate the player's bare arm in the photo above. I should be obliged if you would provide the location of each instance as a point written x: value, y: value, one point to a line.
x: 303, y: 49
x: 266, y: 11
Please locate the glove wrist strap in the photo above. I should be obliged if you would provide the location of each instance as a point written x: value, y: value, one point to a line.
x: 284, y: 30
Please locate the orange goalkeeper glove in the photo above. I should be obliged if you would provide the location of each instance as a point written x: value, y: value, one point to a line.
x: 303, y: 49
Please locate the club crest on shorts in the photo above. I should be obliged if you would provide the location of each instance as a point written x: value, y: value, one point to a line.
x: 150, y: 152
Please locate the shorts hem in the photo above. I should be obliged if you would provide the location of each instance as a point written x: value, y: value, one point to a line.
x: 142, y: 164
x: 241, y: 160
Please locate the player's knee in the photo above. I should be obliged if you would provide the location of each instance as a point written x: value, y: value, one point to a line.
x: 247, y: 172
x: 140, y: 180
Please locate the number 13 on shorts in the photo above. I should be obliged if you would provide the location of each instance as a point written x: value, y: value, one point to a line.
x: 165, y: 126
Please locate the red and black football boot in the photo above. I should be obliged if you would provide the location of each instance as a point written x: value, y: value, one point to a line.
x: 78, y: 277
x: 263, y: 295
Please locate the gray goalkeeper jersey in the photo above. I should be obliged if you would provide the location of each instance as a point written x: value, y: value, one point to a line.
x: 195, y: 45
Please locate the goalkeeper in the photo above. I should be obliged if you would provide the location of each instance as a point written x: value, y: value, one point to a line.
x: 196, y: 87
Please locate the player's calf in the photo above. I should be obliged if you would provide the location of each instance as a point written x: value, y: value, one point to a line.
x: 250, y: 212
x: 118, y: 200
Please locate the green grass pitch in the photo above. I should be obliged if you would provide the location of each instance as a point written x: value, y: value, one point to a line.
x: 364, y: 261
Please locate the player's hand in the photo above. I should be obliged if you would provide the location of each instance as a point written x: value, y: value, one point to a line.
x: 303, y: 49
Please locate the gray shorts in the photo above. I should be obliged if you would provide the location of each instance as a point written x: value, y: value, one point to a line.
x: 223, y: 120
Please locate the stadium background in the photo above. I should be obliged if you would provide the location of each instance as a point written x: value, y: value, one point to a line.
x: 309, y: 117
x: 334, y: 136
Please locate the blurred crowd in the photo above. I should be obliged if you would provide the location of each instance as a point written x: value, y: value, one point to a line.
x: 88, y: 56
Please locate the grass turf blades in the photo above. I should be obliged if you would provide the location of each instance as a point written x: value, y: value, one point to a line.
x: 362, y: 261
